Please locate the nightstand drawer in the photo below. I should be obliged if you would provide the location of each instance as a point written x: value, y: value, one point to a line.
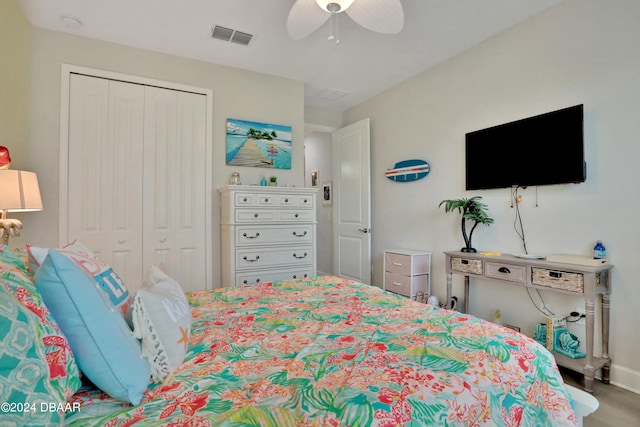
x: 408, y: 265
x: 407, y: 286
x: 512, y: 273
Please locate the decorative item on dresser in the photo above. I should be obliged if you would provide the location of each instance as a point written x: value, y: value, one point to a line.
x: 407, y: 272
x: 268, y: 233
x: 592, y: 282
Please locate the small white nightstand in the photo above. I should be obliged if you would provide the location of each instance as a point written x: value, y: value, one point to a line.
x: 407, y: 272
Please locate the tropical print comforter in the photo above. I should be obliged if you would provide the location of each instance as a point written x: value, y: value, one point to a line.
x: 333, y: 352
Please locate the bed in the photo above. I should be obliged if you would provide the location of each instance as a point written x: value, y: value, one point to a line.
x: 333, y: 352
x: 324, y: 351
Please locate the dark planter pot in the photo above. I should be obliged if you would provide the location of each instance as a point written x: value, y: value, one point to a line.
x: 468, y: 250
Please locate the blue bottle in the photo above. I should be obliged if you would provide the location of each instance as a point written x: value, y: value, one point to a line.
x: 263, y: 181
x: 599, y: 251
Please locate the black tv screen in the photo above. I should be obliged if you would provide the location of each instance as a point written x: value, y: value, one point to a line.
x: 540, y: 150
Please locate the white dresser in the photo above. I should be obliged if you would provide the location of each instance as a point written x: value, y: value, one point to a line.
x: 407, y: 272
x: 267, y: 233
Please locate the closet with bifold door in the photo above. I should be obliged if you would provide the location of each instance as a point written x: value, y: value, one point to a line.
x: 136, y: 178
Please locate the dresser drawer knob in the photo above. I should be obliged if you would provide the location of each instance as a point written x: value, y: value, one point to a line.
x: 255, y: 215
x: 286, y: 200
x: 504, y: 270
x: 266, y: 200
x: 296, y: 215
x: 300, y: 257
x: 251, y: 237
x: 251, y: 260
x: 295, y: 233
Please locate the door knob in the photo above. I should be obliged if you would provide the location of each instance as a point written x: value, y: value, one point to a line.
x: 364, y: 230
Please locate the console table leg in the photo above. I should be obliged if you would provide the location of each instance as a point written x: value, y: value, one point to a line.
x: 465, y: 304
x: 606, y: 303
x: 449, y: 286
x: 588, y: 369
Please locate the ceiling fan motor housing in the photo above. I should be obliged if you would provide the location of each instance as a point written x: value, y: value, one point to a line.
x: 334, y: 6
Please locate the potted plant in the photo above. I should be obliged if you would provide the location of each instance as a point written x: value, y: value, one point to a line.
x: 273, y: 181
x: 472, y: 210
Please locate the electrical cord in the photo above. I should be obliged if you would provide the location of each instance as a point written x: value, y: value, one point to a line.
x: 517, y: 222
x: 544, y: 310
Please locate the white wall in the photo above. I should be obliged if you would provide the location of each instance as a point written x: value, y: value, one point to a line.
x: 237, y: 94
x: 317, y: 146
x: 580, y: 51
x: 14, y: 85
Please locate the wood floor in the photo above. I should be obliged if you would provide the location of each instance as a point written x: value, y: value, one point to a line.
x: 618, y: 407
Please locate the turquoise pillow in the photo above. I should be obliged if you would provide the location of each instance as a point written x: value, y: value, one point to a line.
x: 99, y: 337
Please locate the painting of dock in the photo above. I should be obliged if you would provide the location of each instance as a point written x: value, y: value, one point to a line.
x: 258, y: 144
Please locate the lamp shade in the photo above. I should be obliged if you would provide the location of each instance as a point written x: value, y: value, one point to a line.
x: 19, y: 191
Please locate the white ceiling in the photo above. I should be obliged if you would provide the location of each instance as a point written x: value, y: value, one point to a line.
x: 363, y: 64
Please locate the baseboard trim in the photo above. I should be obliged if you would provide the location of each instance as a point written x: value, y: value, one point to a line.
x: 625, y: 378
x: 322, y: 273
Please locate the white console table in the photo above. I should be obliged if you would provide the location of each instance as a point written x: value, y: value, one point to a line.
x: 590, y: 282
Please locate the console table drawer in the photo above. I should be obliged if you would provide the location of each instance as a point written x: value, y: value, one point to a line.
x: 512, y: 273
x: 473, y: 266
x: 557, y: 279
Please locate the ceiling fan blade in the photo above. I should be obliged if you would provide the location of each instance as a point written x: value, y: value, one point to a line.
x: 304, y: 18
x: 381, y: 16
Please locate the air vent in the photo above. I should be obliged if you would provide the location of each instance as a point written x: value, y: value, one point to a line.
x: 331, y: 94
x: 231, y: 35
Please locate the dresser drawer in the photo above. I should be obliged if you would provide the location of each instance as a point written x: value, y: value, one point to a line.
x: 252, y: 235
x: 408, y: 265
x: 305, y: 201
x: 407, y: 286
x: 272, y: 257
x: 271, y: 276
x: 250, y: 199
x: 273, y: 215
x: 512, y: 273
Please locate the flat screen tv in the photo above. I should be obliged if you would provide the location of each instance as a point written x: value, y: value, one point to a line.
x: 540, y: 150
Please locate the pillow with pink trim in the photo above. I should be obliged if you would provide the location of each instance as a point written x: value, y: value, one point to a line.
x: 109, y: 282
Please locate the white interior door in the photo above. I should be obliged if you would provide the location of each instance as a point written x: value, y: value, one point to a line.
x: 352, y: 202
x: 174, y: 181
x: 104, y: 174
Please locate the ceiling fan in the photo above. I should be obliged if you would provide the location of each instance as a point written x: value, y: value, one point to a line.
x: 381, y: 16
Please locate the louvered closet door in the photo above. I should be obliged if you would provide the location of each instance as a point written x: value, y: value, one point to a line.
x: 105, y: 171
x: 174, y: 185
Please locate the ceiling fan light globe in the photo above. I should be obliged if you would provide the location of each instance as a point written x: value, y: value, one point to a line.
x: 334, y: 6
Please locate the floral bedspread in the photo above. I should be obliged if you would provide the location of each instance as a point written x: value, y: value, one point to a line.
x: 333, y: 352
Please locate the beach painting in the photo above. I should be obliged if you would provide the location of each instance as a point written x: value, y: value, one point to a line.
x: 258, y: 144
